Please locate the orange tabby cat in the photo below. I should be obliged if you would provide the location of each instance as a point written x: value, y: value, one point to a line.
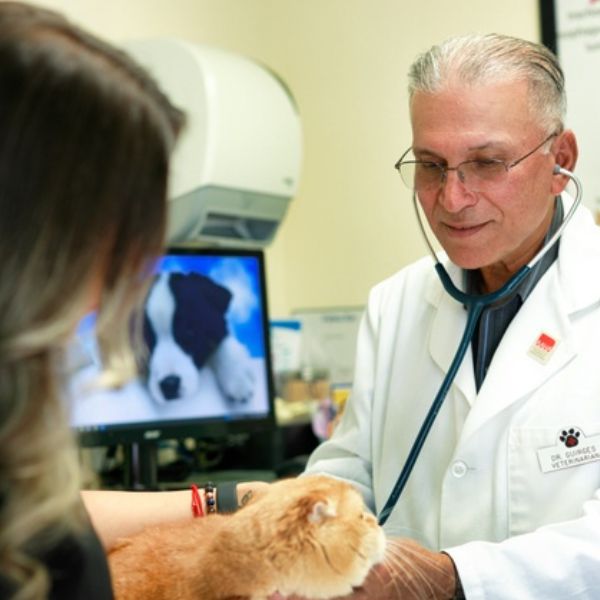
x: 309, y: 536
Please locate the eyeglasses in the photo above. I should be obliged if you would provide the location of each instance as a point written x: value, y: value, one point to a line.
x: 476, y: 175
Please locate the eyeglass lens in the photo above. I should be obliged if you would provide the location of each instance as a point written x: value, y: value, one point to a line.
x: 475, y: 175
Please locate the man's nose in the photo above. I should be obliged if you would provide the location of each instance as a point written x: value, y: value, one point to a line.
x: 454, y: 195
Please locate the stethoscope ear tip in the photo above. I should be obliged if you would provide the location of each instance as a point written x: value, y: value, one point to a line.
x: 557, y: 169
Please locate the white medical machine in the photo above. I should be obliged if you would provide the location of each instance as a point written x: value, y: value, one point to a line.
x: 236, y: 165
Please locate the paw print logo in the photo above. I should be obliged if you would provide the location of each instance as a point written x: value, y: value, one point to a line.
x: 570, y: 438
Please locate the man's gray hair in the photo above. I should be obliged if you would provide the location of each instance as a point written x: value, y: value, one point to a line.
x: 492, y: 58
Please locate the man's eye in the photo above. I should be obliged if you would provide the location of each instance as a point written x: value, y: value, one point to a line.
x: 487, y: 164
x: 428, y: 166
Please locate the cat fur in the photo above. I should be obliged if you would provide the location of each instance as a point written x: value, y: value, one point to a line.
x: 310, y: 536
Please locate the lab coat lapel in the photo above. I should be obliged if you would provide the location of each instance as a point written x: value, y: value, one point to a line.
x: 514, y: 373
x: 446, y: 332
x: 564, y: 290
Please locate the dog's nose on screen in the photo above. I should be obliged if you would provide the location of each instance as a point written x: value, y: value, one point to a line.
x: 169, y: 386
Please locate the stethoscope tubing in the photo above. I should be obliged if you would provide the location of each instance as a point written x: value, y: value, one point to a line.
x: 475, y: 305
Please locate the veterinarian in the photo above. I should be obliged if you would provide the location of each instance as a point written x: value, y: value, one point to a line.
x: 506, y: 480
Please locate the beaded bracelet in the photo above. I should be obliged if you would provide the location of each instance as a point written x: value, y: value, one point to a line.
x: 210, y: 498
x: 210, y: 495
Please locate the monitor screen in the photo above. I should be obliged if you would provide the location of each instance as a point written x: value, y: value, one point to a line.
x: 208, y: 369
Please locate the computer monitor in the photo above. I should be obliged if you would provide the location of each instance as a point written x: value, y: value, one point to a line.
x: 208, y: 367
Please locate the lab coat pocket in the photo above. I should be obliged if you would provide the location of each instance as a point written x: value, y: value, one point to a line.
x: 552, y: 471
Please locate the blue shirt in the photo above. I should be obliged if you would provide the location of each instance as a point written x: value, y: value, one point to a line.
x: 496, y: 318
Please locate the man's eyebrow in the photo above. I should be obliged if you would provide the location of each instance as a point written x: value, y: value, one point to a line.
x: 491, y: 145
x: 434, y: 156
x: 424, y: 151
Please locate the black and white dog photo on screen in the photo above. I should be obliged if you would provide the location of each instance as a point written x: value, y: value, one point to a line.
x: 186, y: 330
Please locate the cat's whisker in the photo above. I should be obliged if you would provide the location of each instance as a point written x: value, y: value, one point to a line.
x: 393, y: 582
x: 419, y: 575
x: 379, y: 576
x: 431, y: 564
x: 397, y: 564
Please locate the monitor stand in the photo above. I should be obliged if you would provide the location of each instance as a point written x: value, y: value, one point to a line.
x: 141, y: 466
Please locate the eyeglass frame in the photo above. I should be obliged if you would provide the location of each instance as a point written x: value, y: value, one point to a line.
x: 445, y: 168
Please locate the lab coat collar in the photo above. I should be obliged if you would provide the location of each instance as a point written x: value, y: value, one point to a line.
x: 578, y: 262
x: 568, y: 287
x: 448, y: 325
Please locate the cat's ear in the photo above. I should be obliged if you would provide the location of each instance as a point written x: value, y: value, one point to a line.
x: 321, y: 510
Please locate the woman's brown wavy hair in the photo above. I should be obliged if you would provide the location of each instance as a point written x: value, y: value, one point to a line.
x: 85, y: 139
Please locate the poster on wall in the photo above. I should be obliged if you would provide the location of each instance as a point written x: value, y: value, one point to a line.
x: 572, y: 29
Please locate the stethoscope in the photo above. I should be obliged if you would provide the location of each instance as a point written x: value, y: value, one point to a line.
x: 475, y: 305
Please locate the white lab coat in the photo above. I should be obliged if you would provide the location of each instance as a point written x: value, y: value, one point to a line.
x: 479, y: 489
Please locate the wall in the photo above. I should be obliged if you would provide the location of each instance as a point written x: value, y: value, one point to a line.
x: 351, y: 223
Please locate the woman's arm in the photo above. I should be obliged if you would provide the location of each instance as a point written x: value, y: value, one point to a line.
x: 116, y: 515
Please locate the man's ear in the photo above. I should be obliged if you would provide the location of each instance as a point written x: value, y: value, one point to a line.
x: 565, y: 153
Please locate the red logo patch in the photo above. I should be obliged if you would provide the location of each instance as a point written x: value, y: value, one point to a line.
x: 545, y: 342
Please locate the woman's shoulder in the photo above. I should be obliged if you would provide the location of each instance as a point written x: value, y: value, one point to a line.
x: 78, y: 567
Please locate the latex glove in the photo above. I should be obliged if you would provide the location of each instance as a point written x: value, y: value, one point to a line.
x: 408, y: 572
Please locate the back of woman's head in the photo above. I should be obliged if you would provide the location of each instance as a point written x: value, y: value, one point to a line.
x: 84, y: 152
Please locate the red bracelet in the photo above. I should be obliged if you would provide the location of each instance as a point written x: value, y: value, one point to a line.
x: 197, y: 509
